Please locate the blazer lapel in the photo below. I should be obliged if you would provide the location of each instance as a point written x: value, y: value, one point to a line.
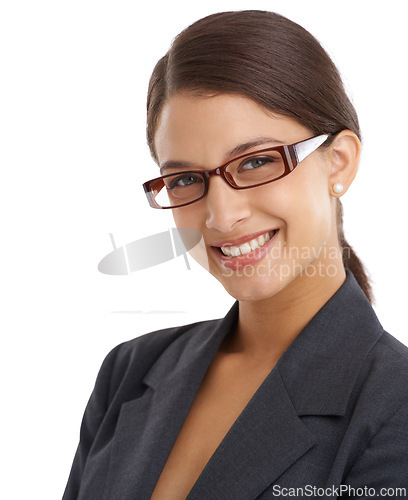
x: 145, y: 433
x: 266, y: 439
x: 148, y: 426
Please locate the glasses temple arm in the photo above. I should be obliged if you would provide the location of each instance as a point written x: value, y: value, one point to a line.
x: 305, y: 148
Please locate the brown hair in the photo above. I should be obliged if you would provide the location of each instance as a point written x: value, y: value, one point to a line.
x: 271, y: 60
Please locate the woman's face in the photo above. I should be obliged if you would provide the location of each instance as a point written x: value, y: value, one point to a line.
x: 295, y: 212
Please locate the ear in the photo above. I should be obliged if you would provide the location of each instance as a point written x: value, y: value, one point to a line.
x: 344, y: 155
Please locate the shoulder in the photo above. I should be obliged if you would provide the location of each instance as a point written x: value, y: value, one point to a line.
x: 137, y: 363
x: 378, y: 407
x: 385, y: 375
x: 379, y: 423
x: 134, y: 358
x: 391, y: 349
x: 387, y: 363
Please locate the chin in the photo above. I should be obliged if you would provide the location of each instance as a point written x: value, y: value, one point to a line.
x: 250, y: 289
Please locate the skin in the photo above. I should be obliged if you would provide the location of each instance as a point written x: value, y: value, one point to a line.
x: 303, y: 269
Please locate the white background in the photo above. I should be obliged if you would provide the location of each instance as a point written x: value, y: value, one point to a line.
x: 73, y: 157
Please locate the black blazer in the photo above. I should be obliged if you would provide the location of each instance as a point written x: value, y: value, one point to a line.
x: 332, y: 412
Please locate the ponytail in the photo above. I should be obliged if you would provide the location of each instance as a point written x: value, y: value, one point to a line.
x: 350, y: 259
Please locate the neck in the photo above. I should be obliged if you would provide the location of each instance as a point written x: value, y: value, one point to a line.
x: 267, y: 327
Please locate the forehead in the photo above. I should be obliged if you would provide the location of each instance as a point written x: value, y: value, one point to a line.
x: 203, y: 129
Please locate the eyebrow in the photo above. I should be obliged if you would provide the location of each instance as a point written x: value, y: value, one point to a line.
x: 237, y: 151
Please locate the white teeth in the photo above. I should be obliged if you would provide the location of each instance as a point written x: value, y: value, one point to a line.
x: 254, y: 244
x: 245, y: 248
x: 235, y: 251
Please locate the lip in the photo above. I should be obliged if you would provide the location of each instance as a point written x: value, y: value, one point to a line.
x: 242, y: 239
x: 251, y: 258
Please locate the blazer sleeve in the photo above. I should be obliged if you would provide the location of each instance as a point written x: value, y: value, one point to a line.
x: 384, y: 462
x: 93, y: 416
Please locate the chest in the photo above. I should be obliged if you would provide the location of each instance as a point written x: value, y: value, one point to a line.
x: 166, y: 442
x: 222, y: 396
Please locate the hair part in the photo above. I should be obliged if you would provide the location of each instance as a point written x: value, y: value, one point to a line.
x: 269, y: 59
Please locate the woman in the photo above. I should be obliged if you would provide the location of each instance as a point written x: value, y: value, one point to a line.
x: 298, y: 391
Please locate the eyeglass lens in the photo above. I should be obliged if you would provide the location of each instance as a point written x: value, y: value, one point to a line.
x: 250, y: 171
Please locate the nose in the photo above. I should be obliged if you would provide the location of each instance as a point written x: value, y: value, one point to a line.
x: 226, y: 206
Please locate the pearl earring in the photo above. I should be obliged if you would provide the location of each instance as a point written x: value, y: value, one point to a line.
x: 338, y: 188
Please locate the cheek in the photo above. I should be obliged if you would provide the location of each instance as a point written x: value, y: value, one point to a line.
x: 302, y: 203
x: 183, y: 218
x: 313, y: 221
x: 312, y: 212
x: 190, y: 218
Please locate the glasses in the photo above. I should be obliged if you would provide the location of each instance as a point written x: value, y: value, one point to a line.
x: 180, y: 189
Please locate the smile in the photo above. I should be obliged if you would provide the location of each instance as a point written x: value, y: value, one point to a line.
x: 248, y: 246
x: 246, y: 251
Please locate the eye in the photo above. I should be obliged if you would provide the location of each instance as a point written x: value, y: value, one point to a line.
x: 256, y: 162
x: 183, y: 180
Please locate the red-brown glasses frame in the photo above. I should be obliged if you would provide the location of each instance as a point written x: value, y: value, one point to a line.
x: 292, y: 155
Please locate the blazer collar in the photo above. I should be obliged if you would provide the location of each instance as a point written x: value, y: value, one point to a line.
x: 318, y: 369
x: 321, y: 365
x: 192, y: 351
